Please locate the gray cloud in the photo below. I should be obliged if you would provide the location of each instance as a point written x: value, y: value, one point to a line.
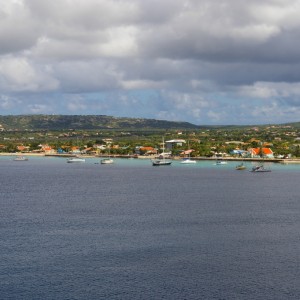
x: 200, y: 61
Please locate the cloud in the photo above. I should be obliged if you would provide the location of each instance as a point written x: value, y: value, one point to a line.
x: 17, y: 74
x: 195, y: 60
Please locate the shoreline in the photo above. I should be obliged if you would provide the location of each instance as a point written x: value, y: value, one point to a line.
x: 274, y: 160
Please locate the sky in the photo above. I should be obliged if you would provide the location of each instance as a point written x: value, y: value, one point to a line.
x: 207, y: 62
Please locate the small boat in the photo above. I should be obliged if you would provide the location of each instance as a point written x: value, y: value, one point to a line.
x: 75, y: 160
x: 188, y: 161
x: 107, y: 161
x: 20, y: 158
x: 259, y: 168
x: 240, y: 167
x: 220, y: 162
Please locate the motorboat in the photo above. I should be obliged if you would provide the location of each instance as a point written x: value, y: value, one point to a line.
x: 260, y: 168
x: 75, y: 160
x: 107, y: 161
x: 188, y: 161
x: 220, y: 162
x: 20, y: 158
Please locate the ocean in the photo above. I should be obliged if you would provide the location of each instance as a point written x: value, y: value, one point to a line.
x: 134, y: 231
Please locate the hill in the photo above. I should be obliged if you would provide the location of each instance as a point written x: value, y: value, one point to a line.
x: 102, y: 122
x: 86, y: 122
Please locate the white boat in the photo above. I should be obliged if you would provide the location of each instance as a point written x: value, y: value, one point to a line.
x: 20, y: 158
x: 161, y: 161
x: 188, y: 161
x: 107, y: 161
x: 220, y: 162
x: 75, y: 160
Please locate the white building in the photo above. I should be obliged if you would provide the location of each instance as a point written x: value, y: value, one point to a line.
x: 171, y: 143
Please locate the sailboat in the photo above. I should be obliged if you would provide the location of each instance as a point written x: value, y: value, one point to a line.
x: 187, y: 160
x: 163, y: 161
x: 260, y: 168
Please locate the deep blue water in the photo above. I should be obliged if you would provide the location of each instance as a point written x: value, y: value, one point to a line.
x: 133, y: 231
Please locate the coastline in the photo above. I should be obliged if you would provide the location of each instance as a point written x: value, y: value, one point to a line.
x: 273, y: 160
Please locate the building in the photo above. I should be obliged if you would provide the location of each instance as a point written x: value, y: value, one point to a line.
x: 173, y: 143
x: 266, y: 152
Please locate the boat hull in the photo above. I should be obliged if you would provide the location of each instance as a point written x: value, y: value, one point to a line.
x: 188, y: 161
x: 75, y: 160
x: 161, y: 163
x: 107, y: 161
x: 21, y: 159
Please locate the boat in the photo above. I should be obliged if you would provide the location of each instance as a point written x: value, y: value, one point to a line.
x: 161, y: 161
x: 107, y: 161
x: 260, y: 168
x: 220, y: 162
x: 20, y: 158
x: 75, y: 160
x: 240, y: 167
x: 188, y: 160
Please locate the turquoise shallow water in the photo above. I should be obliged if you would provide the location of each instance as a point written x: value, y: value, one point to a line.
x: 133, y: 231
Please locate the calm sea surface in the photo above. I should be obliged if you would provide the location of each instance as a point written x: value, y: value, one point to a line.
x: 133, y: 231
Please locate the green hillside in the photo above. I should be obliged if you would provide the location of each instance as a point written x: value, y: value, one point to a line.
x: 87, y: 122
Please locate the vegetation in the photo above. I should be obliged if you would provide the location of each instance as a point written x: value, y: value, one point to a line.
x: 125, y: 134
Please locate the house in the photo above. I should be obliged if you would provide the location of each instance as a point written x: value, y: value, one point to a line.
x: 235, y: 143
x: 108, y: 141
x: 99, y: 147
x: 75, y: 150
x: 256, y: 152
x: 172, y: 143
x: 60, y: 151
x: 48, y: 149
x: 238, y: 152
x: 147, y: 150
x: 186, y: 152
x: 87, y: 150
x: 22, y: 148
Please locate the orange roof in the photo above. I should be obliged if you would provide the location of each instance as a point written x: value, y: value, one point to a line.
x: 187, y: 151
x: 21, y: 148
x: 147, y: 148
x: 256, y: 151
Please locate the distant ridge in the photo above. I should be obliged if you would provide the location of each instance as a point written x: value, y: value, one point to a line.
x: 98, y: 122
x: 87, y: 122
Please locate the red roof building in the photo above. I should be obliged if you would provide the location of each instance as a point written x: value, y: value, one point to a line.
x: 256, y: 152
